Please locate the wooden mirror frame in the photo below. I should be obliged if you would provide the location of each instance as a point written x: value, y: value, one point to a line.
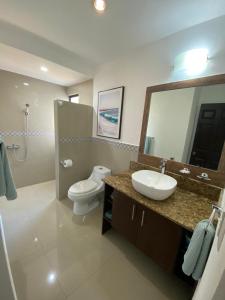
x: 217, y: 177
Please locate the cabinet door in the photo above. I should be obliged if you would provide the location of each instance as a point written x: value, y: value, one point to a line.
x: 159, y: 238
x: 124, y: 216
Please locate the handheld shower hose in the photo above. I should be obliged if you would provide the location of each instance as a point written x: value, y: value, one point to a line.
x: 26, y: 114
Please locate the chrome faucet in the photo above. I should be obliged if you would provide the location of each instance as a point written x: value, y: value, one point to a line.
x: 162, y: 165
x: 204, y: 176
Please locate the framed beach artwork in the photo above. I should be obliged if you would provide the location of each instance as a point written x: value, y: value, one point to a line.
x: 110, y: 106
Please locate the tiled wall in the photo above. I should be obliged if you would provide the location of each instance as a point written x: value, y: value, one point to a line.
x: 86, y: 152
x: 73, y: 126
x: 40, y: 95
x: 74, y: 140
x: 113, y: 154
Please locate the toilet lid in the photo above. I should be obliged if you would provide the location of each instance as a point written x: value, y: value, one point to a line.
x: 83, y: 186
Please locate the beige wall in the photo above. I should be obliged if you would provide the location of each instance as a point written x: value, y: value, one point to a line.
x: 153, y: 64
x: 113, y: 155
x: 147, y: 66
x: 73, y: 125
x: 100, y: 151
x: 14, y: 95
x: 85, y: 91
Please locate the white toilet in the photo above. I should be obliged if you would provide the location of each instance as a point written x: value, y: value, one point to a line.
x: 86, y: 194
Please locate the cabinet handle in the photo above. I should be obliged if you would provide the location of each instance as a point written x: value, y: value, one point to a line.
x: 133, y: 211
x: 142, y: 218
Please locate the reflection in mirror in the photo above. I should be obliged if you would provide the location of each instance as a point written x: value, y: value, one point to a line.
x: 188, y: 125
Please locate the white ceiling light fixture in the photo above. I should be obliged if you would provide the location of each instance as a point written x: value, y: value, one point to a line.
x: 26, y: 83
x: 192, y: 62
x: 195, y: 61
x: 99, y: 5
x: 44, y: 69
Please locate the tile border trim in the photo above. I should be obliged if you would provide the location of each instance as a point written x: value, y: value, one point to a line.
x: 117, y: 144
x: 74, y: 140
x: 29, y: 133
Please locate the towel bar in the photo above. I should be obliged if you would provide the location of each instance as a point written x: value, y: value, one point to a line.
x: 218, y: 209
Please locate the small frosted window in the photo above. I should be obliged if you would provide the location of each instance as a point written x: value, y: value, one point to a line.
x: 74, y: 98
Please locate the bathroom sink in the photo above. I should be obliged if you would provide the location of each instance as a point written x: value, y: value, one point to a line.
x: 154, y: 185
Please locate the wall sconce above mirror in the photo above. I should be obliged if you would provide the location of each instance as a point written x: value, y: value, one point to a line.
x: 192, y: 62
x: 184, y: 122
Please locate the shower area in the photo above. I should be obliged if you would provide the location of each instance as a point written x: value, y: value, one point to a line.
x: 25, y: 133
x: 27, y: 126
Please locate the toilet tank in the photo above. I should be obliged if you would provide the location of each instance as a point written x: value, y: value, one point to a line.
x: 100, y: 172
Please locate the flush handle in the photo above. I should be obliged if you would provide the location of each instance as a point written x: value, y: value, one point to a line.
x: 142, y: 218
x: 133, y: 212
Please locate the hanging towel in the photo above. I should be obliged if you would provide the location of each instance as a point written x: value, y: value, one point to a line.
x: 7, y: 187
x: 206, y: 247
x: 198, y: 250
x: 148, y: 141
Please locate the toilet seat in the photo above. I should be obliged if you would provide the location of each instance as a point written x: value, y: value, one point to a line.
x: 83, y: 189
x: 87, y: 194
x: 83, y: 186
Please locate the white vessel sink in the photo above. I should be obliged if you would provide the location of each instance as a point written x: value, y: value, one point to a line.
x: 153, y: 185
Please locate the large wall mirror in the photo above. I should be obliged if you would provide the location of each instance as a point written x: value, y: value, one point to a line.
x: 185, y: 122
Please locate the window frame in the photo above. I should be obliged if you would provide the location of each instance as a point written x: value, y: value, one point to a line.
x: 74, y: 95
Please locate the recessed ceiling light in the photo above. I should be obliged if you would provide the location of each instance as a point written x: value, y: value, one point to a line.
x: 44, y: 69
x: 100, y: 5
x: 26, y: 83
x: 51, y: 277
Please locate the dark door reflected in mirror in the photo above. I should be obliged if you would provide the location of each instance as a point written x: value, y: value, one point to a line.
x: 209, y: 136
x: 188, y: 125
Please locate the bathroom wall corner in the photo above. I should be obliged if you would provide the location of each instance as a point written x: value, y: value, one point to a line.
x: 57, y: 161
x: 73, y: 126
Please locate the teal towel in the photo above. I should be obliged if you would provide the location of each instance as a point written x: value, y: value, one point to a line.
x: 198, y: 250
x: 7, y: 187
x: 204, y: 254
x: 147, y: 149
x: 108, y: 214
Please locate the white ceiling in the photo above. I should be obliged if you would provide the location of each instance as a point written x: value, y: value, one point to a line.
x: 80, y: 38
x: 21, y: 62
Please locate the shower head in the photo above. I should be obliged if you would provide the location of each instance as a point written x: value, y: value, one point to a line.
x: 26, y: 110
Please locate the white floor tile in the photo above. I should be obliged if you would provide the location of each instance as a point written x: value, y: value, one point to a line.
x: 56, y: 255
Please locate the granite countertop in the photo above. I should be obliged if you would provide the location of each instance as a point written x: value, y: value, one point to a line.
x: 184, y: 207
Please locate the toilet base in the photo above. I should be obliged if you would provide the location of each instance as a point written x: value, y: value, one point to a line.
x: 82, y: 209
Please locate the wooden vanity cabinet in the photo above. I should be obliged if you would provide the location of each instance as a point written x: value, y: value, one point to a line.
x: 125, y: 216
x: 159, y: 238
x: 155, y: 235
